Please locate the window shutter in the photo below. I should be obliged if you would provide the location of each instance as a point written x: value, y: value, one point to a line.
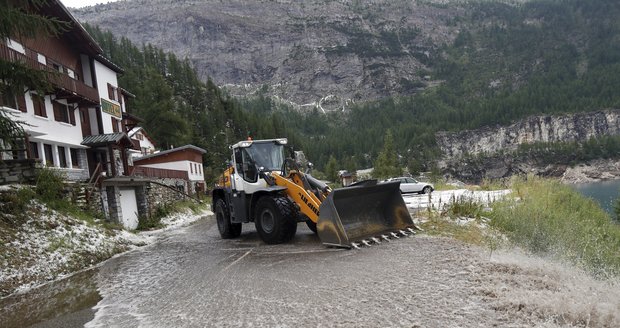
x: 72, y: 116
x: 114, y: 125
x: 57, y: 109
x: 21, y: 103
x: 111, y: 92
x: 39, y: 105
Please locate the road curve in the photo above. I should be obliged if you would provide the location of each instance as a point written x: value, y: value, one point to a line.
x: 192, y: 278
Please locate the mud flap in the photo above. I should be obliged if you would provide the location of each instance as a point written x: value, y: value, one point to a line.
x: 365, y: 211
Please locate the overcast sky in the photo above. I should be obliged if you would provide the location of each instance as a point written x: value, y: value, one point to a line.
x: 82, y: 3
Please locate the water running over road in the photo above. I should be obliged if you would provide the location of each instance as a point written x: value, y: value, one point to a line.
x: 193, y: 278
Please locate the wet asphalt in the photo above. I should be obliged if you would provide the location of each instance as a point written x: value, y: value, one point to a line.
x: 192, y: 278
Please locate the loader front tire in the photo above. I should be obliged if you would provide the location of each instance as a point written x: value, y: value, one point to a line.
x: 227, y: 229
x: 275, y: 219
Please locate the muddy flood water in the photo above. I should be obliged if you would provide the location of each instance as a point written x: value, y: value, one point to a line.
x: 192, y: 278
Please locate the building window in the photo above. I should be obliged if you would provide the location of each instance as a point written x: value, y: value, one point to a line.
x: 191, y: 167
x: 63, y: 113
x: 39, y: 105
x: 34, y: 150
x: 41, y: 59
x: 16, y: 46
x: 62, y: 156
x: 56, y: 66
x: 49, y: 156
x: 200, y: 169
x: 139, y: 136
x: 112, y: 92
x: 8, y: 99
x: 114, y: 124
x: 74, y: 158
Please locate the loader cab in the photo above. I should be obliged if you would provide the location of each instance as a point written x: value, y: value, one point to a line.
x: 251, y: 156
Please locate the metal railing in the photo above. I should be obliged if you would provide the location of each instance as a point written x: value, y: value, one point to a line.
x: 59, y: 80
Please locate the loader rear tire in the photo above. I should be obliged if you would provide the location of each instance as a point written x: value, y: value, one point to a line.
x: 275, y: 219
x: 227, y: 229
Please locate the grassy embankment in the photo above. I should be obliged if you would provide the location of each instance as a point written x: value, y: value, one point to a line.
x: 541, y: 216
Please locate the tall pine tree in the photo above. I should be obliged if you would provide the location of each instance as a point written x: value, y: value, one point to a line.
x: 387, y: 164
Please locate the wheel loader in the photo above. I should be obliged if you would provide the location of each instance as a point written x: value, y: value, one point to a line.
x: 264, y: 185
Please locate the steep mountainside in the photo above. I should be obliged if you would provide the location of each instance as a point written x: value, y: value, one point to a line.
x: 536, y: 129
x: 308, y: 52
x: 543, y: 145
x: 433, y: 65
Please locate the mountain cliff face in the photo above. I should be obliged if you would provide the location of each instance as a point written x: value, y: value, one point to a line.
x: 493, y: 152
x: 566, y: 128
x: 326, y: 53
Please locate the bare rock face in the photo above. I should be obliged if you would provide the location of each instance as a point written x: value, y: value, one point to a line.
x: 498, y: 147
x: 489, y: 140
x: 326, y: 53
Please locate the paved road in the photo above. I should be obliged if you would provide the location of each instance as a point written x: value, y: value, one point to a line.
x: 192, y: 278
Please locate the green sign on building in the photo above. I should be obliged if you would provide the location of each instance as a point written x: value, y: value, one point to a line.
x: 111, y: 108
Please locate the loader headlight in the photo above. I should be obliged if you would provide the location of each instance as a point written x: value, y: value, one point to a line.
x: 282, y: 141
x: 245, y: 144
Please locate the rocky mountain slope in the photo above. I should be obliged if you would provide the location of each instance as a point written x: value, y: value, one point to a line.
x: 547, y: 128
x: 544, y: 145
x: 325, y: 53
x: 468, y: 65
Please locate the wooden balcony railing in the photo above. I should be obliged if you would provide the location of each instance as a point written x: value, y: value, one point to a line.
x: 71, y: 87
x: 150, y: 172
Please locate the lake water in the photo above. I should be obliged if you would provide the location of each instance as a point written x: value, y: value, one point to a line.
x: 605, y: 193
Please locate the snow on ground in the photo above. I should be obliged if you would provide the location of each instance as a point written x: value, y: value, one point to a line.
x: 439, y: 200
x: 49, y: 246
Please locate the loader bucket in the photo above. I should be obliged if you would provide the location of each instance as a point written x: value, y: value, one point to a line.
x: 361, y: 212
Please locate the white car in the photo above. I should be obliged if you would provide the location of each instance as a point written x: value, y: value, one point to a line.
x: 411, y: 185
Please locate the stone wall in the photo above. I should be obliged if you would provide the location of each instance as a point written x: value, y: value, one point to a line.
x: 149, y: 196
x: 157, y: 195
x: 17, y: 171
x: 81, y: 173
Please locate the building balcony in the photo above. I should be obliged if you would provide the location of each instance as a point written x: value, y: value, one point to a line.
x: 74, y: 91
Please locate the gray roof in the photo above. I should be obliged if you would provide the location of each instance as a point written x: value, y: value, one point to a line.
x: 164, y: 152
x: 104, y: 139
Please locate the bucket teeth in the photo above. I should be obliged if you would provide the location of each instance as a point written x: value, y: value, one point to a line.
x: 376, y: 240
x: 402, y: 233
x: 394, y: 234
x: 366, y: 242
x: 411, y: 230
x: 385, y: 237
x: 355, y: 245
